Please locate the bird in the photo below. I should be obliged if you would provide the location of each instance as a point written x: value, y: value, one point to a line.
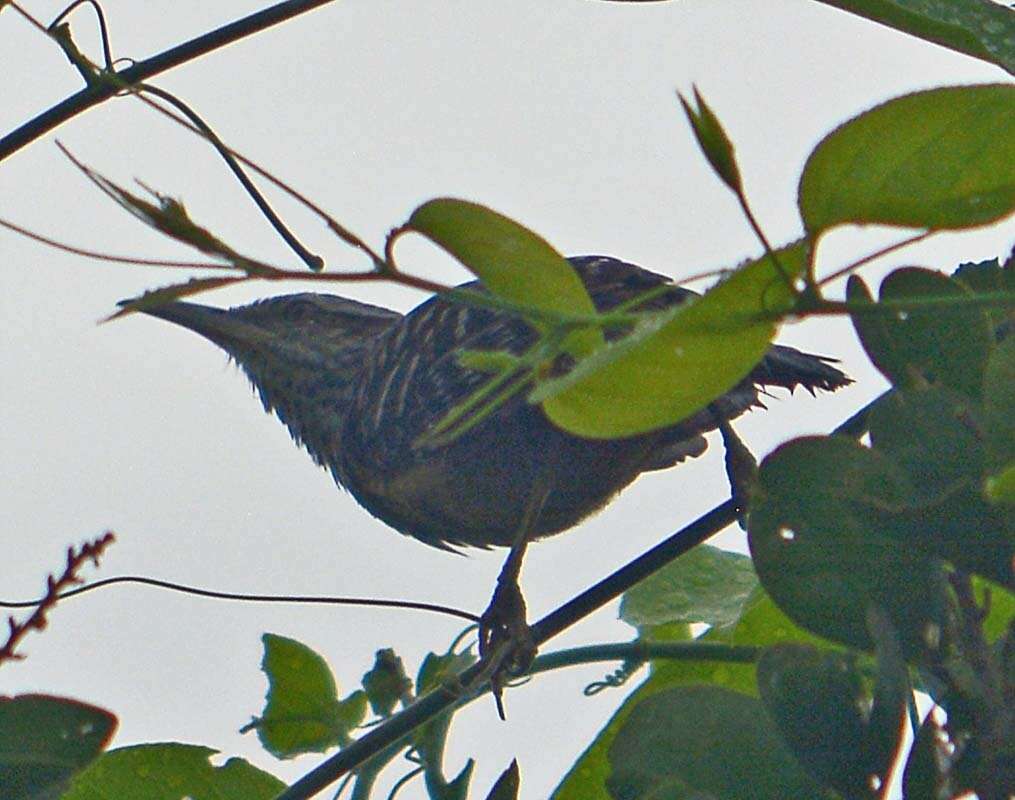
x: 359, y: 386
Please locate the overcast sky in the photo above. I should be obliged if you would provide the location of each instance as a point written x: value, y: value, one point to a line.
x: 560, y: 114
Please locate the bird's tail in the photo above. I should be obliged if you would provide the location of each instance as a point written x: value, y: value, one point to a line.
x: 789, y: 368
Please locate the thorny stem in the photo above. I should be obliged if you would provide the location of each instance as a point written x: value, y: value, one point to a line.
x: 76, y: 558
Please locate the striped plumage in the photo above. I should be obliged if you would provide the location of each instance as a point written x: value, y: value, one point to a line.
x: 357, y: 385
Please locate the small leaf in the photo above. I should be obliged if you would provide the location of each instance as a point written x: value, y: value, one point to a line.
x: 435, y: 669
x: 167, y: 294
x: 386, y: 683
x: 939, y: 159
x: 171, y: 771
x: 45, y: 740
x: 1000, y: 488
x: 506, y: 787
x: 989, y: 277
x: 705, y: 585
x: 696, y: 741
x: 489, y: 361
x: 167, y: 215
x: 939, y: 344
x: 510, y: 260
x: 714, y: 142
x: 303, y: 713
x: 703, y: 349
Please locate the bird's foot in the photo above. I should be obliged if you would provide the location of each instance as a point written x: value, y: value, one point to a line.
x: 505, y: 639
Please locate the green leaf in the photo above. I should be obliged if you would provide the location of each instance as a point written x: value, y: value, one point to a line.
x: 977, y: 28
x: 934, y: 436
x: 817, y: 547
x: 45, y: 740
x: 714, y: 142
x: 818, y: 701
x: 705, y: 585
x: 939, y: 159
x: 510, y: 260
x: 941, y: 343
x: 999, y: 406
x: 923, y: 776
x: 1000, y: 487
x: 704, y: 348
x: 696, y: 741
x: 506, y: 787
x: 386, y: 683
x: 1001, y: 607
x: 171, y: 771
x: 845, y: 738
x: 435, y: 669
x: 886, y: 722
x: 989, y: 277
x: 303, y: 713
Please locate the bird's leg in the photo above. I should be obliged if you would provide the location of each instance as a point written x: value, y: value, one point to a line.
x: 505, y: 641
x: 741, y: 468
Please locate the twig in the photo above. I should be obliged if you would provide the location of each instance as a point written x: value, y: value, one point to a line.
x: 89, y: 551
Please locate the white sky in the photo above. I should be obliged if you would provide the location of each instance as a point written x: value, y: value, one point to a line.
x: 560, y: 114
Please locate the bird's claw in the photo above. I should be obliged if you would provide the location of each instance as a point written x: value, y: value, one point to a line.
x: 505, y: 639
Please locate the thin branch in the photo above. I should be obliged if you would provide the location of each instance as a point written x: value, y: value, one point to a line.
x: 80, y: 251
x: 890, y: 248
x: 143, y: 70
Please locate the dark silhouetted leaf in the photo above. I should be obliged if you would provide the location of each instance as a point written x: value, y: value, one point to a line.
x: 817, y: 547
x: 45, y: 740
x: 945, y: 345
x: 696, y: 741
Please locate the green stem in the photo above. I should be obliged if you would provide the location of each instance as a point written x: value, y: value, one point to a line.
x: 645, y: 651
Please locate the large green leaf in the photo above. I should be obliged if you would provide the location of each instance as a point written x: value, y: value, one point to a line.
x: 695, y: 741
x: 303, y: 713
x: 45, y: 740
x: 512, y: 261
x: 939, y: 159
x: 171, y: 771
x: 818, y: 549
x: 706, y: 347
x: 977, y: 28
